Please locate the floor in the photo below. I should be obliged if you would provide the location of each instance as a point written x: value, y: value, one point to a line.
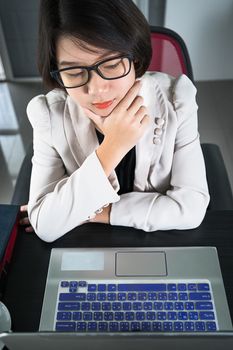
x: 214, y: 98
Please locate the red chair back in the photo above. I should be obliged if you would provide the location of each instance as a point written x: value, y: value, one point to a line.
x: 170, y: 54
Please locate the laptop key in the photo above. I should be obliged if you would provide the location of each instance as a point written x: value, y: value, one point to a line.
x: 96, y: 306
x: 206, y: 315
x: 146, y: 326
x: 167, y: 326
x: 65, y: 326
x: 98, y: 316
x: 200, y: 296
x: 68, y: 306
x: 65, y: 316
x: 112, y: 288
x: 72, y: 297
x: 64, y: 284
x: 81, y: 326
x: 113, y: 326
x: 142, y: 287
x: 106, y: 306
x: 103, y: 326
x: 150, y: 315
x: 189, y: 305
x: 126, y: 305
x: 129, y: 316
x: 204, y: 305
x: 189, y: 326
x: 200, y: 326
x: 124, y: 326
x: 178, y: 326
x: 77, y: 316
x: 92, y: 287
x: 156, y: 326
x: 193, y: 315
x: 92, y: 326
x: 135, y: 326
x: 211, y: 326
x: 203, y: 286
x: 182, y: 287
x: 82, y: 284
x: 192, y: 286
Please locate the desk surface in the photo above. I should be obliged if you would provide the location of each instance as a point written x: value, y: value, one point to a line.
x: 28, y: 271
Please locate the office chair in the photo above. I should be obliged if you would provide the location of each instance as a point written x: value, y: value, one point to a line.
x: 170, y: 55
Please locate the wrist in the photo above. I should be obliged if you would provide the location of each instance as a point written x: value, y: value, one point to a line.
x: 109, y: 155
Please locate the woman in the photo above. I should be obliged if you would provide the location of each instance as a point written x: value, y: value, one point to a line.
x: 112, y: 143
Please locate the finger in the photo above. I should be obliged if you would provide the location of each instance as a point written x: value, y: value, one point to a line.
x: 29, y: 229
x: 95, y: 117
x: 136, y: 105
x: 24, y: 207
x: 142, y: 111
x: 145, y: 121
x: 24, y: 221
x: 130, y: 96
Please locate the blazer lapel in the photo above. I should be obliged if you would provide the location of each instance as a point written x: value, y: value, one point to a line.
x: 149, y: 147
x: 80, y: 132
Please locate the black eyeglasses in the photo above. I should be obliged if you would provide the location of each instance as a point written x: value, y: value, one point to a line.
x: 109, y: 69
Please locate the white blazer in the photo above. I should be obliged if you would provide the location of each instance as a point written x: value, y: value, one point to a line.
x: 69, y: 186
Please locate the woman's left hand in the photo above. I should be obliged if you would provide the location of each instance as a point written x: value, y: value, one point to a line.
x: 104, y: 216
x: 24, y: 220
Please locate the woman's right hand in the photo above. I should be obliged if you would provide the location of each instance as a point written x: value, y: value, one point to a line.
x: 24, y: 220
x: 126, y: 123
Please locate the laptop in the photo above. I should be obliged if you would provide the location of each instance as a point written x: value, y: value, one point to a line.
x: 125, y: 290
x: 127, y: 298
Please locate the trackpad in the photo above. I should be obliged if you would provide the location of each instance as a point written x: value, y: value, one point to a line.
x: 141, y: 264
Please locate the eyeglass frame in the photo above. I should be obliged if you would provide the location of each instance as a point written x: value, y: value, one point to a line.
x: 56, y: 73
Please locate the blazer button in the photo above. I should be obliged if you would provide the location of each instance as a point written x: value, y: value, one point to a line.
x: 99, y: 211
x: 159, y: 122
x: 158, y: 132
x: 91, y: 216
x: 156, y: 141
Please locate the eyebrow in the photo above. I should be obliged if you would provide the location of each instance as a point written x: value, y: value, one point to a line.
x: 67, y: 63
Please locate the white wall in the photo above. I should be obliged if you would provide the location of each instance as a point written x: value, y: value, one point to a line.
x: 207, y: 29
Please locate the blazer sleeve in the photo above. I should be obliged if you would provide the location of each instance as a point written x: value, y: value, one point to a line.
x: 58, y: 202
x: 184, y: 204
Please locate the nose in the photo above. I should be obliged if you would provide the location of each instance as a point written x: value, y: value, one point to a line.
x: 97, y: 84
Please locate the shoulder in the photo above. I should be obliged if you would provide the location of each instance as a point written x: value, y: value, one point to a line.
x: 180, y: 91
x: 39, y: 109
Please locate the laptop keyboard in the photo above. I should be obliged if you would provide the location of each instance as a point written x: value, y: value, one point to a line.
x: 135, y: 307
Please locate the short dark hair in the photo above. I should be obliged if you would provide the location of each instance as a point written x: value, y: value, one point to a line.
x: 116, y: 25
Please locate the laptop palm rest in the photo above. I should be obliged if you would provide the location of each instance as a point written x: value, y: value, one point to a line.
x: 141, y: 264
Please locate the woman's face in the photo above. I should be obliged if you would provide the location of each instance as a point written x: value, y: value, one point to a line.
x: 99, y: 95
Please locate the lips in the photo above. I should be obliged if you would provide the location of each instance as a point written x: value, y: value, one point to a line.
x: 103, y: 105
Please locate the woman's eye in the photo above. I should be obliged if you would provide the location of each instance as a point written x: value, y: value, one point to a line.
x: 74, y: 74
x: 112, y: 66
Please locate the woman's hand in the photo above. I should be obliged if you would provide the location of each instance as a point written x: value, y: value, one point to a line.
x: 104, y: 216
x: 125, y: 125
x: 24, y: 220
x: 122, y: 129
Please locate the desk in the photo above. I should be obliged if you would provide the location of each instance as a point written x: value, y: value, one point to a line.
x: 27, y: 275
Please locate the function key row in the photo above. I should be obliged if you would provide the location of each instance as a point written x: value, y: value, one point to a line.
x: 127, y: 287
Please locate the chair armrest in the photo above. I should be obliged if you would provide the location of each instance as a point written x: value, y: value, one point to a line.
x: 221, y: 197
